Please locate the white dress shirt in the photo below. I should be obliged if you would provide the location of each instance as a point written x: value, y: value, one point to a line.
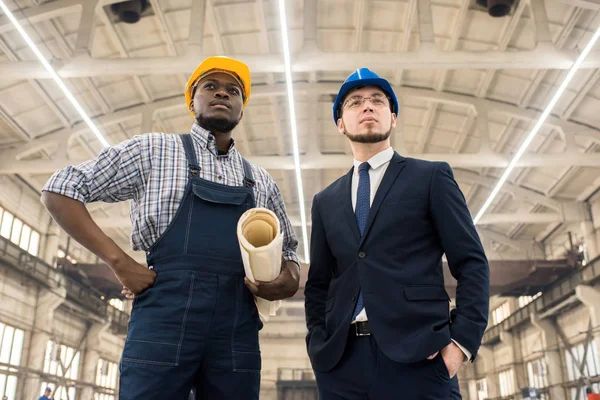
x: 378, y: 165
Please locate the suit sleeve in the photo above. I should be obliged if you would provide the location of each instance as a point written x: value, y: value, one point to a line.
x: 319, y: 273
x: 466, y: 259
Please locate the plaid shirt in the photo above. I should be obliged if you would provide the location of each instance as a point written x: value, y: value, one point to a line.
x: 151, y: 170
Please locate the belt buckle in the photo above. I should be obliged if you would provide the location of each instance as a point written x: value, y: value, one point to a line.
x: 359, y: 331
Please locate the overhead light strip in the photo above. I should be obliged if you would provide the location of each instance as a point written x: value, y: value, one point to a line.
x: 538, y: 125
x: 290, y: 93
x: 53, y: 74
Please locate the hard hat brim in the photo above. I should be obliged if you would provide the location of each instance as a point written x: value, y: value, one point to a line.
x: 348, y: 86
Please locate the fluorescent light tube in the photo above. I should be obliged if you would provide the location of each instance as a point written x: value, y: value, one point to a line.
x: 538, y: 125
x: 290, y: 93
x: 54, y: 75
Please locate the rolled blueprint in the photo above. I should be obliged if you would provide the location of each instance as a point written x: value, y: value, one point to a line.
x: 261, y: 243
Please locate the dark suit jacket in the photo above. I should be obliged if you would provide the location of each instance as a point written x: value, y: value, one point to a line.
x: 417, y: 215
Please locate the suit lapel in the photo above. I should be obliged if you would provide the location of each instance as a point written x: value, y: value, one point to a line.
x: 345, y: 201
x: 396, y: 165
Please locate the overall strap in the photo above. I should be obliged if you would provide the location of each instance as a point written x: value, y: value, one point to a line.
x: 190, y: 153
x: 248, y: 177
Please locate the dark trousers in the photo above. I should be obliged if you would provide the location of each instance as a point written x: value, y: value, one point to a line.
x: 364, y: 372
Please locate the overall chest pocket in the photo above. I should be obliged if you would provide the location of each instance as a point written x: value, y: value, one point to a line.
x: 212, y: 220
x: 220, y: 194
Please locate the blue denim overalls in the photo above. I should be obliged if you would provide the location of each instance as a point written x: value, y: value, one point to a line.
x: 197, y: 326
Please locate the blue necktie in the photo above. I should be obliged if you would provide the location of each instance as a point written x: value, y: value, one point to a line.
x: 363, y: 206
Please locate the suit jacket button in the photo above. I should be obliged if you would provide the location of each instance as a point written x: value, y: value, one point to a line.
x: 362, y: 254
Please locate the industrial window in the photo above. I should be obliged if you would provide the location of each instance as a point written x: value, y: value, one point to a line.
x: 34, y: 244
x: 25, y: 236
x: 106, y: 374
x: 106, y: 377
x: 19, y: 233
x: 507, y: 382
x: 11, y: 347
x: 537, y: 373
x: 591, y: 366
x: 482, y: 391
x: 6, y: 224
x: 15, y: 233
x: 592, y: 362
x: 103, y: 396
x: 62, y: 361
x: 524, y: 300
x: 500, y: 313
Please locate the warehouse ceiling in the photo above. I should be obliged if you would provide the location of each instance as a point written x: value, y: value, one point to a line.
x: 471, y: 87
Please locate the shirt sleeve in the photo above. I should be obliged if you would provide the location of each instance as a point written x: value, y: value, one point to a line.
x: 290, y: 242
x: 114, y: 175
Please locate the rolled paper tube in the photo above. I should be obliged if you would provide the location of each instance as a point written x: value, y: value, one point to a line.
x: 260, y: 239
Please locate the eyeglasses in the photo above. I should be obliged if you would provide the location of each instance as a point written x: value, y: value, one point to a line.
x: 378, y: 100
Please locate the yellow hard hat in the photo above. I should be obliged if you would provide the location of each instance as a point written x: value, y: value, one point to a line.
x: 225, y: 64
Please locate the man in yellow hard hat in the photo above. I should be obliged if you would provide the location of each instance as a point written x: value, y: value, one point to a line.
x: 194, y: 323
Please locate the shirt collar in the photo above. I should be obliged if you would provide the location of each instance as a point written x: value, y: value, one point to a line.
x: 207, y: 140
x: 378, y: 160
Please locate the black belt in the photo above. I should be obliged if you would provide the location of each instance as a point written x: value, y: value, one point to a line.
x: 361, y: 328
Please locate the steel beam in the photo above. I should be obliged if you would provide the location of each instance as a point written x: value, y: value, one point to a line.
x: 480, y: 160
x: 428, y: 59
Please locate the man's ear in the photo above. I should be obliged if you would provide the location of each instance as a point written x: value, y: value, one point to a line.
x: 394, y: 120
x: 340, y: 126
x: 192, y: 105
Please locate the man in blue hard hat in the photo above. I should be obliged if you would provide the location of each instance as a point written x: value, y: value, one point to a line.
x: 379, y: 324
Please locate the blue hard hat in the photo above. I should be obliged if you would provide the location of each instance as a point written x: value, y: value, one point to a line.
x: 364, y: 77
